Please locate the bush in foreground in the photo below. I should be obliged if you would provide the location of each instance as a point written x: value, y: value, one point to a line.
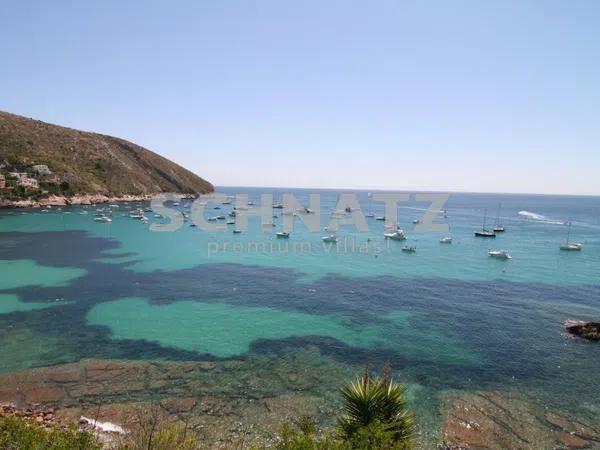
x: 17, y: 433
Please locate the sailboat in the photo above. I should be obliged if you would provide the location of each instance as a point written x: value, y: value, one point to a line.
x: 484, y: 232
x: 570, y: 246
x: 498, y: 228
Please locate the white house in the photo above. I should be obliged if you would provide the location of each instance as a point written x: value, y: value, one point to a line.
x: 41, y: 169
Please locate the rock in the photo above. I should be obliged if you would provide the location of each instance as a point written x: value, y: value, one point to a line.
x: 583, y: 329
x: 573, y: 441
x: 502, y: 420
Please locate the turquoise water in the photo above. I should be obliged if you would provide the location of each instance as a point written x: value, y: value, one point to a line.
x: 448, y: 316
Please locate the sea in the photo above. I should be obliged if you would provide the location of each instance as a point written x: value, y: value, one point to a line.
x: 448, y: 317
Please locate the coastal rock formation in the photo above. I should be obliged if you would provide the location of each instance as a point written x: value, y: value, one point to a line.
x: 583, y: 329
x: 501, y: 420
x: 46, y: 164
x: 226, y: 403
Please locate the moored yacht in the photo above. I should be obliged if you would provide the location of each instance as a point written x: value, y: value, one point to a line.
x: 485, y: 232
x: 500, y: 254
x: 397, y: 235
x: 446, y: 240
x: 332, y: 238
x: 570, y: 246
x: 283, y: 234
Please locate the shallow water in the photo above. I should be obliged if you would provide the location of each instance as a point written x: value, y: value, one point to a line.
x: 448, y: 316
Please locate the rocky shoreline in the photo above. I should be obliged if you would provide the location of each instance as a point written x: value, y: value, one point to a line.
x: 239, y: 404
x: 80, y: 199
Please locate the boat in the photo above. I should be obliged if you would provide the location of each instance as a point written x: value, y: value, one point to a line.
x: 231, y: 214
x: 484, y: 232
x: 397, y: 235
x: 446, y: 240
x: 416, y: 221
x: 226, y: 202
x: 104, y: 219
x: 237, y: 231
x: 381, y: 218
x: 369, y: 215
x: 231, y: 222
x: 500, y: 254
x: 83, y: 213
x: 498, y: 227
x: 212, y: 219
x: 278, y: 206
x: 332, y: 238
x: 283, y: 234
x: 408, y: 249
x: 137, y: 214
x: 221, y: 218
x: 570, y: 246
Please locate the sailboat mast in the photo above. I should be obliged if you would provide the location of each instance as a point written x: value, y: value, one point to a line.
x: 484, y: 218
x: 569, y: 232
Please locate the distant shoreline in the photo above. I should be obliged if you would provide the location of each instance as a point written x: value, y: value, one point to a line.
x: 82, y: 199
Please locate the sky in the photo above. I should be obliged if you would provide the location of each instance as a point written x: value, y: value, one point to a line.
x: 480, y: 96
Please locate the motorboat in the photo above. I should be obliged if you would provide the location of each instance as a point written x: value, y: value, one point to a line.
x: 283, y: 235
x: 500, y: 254
x: 416, y: 221
x: 332, y: 238
x: 237, y: 231
x: 104, y: 219
x: 408, y: 249
x: 231, y: 222
x: 381, y: 218
x: 571, y: 246
x: 446, y: 240
x: 397, y: 235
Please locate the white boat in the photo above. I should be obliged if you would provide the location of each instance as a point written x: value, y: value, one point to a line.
x: 138, y: 214
x: 382, y: 218
x: 83, y: 213
x: 408, y: 249
x: 212, y: 219
x: 237, y: 231
x: 570, y: 246
x: 498, y: 227
x: 231, y: 222
x: 278, y: 206
x: 369, y: 215
x: 500, y: 254
x: 416, y: 221
x: 446, y: 240
x: 102, y: 219
x: 283, y: 234
x: 397, y: 235
x: 332, y: 238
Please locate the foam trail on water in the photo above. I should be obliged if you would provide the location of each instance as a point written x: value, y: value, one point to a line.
x: 539, y: 217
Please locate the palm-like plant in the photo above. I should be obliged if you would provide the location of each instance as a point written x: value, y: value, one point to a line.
x: 377, y: 401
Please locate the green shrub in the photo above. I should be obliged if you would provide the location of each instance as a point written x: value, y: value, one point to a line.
x: 18, y: 434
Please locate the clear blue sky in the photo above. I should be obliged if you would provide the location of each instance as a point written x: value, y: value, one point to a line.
x: 475, y: 95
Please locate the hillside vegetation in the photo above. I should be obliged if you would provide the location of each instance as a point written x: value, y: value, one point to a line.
x: 85, y: 163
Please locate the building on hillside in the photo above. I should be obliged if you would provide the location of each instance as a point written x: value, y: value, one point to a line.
x: 27, y: 182
x: 41, y: 170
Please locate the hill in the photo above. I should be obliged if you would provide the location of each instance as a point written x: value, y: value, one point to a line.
x: 82, y: 163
